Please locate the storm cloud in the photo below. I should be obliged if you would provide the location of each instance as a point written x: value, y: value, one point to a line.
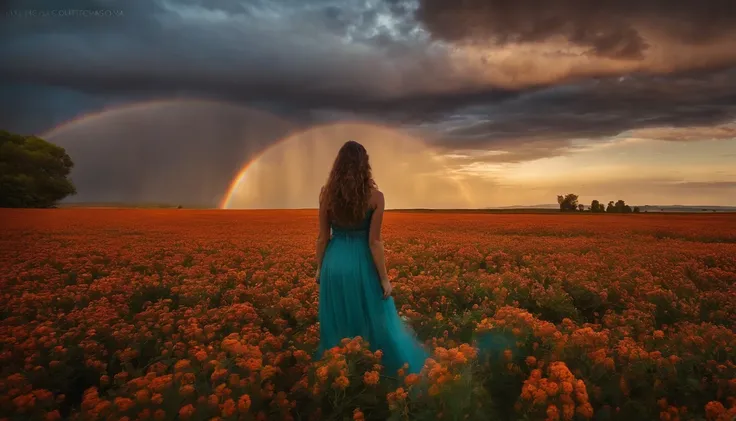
x: 616, y: 29
x: 519, y: 80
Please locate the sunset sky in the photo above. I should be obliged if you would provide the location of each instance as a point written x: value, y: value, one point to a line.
x: 470, y: 103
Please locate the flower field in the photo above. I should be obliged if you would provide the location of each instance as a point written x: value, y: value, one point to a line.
x: 212, y: 315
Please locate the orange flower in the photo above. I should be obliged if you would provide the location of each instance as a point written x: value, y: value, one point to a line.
x: 157, y: 399
x: 228, y: 408
x: 397, y: 397
x: 84, y: 302
x: 186, y: 390
x: 714, y: 409
x: 371, y: 378
x: 411, y: 379
x: 52, y: 416
x: 585, y: 410
x: 186, y: 412
x: 143, y: 396
x: 244, y: 404
x: 551, y: 388
x: 540, y: 396
x: 124, y: 404
x: 567, y: 387
x: 358, y: 415
x: 568, y: 411
x: 341, y: 382
x: 322, y: 373
x: 183, y: 364
x: 552, y: 413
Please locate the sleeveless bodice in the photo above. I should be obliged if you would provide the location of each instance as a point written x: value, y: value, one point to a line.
x: 356, y: 231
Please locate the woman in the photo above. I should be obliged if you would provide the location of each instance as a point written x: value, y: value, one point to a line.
x: 355, y: 290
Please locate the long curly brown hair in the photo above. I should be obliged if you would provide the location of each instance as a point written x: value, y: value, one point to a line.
x: 348, y: 189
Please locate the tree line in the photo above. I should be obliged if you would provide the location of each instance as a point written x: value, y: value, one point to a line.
x: 569, y: 203
x: 34, y: 173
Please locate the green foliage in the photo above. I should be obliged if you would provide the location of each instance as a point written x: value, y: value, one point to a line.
x: 597, y: 207
x: 33, y: 172
x: 568, y: 202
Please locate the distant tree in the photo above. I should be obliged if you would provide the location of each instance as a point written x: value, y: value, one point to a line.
x: 596, y: 206
x: 581, y: 207
x: 620, y: 205
x: 636, y: 209
x: 33, y: 172
x: 611, y: 208
x: 568, y: 203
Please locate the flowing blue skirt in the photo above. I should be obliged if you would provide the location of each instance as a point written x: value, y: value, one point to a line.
x: 351, y: 304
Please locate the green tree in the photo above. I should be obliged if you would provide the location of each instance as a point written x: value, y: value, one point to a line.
x: 611, y: 208
x: 34, y: 173
x: 596, y: 206
x: 622, y: 207
x: 581, y: 207
x: 636, y: 209
x: 568, y: 202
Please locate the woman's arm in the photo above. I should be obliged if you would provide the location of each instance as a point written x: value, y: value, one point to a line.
x: 323, y: 237
x: 376, y: 244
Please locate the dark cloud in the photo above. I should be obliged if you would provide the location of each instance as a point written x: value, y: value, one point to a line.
x: 686, y: 108
x: 506, y: 152
x: 610, y: 28
x: 503, y: 78
x: 688, y: 134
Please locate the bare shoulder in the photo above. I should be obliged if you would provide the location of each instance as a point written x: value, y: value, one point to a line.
x: 377, y: 199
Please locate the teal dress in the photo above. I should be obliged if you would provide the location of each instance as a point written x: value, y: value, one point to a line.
x: 351, y: 302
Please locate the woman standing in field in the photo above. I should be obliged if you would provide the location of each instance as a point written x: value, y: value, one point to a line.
x: 355, y: 290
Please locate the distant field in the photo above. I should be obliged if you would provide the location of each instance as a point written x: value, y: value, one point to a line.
x: 112, y: 314
x: 514, y: 210
x: 110, y: 205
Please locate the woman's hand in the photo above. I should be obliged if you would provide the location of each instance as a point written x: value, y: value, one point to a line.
x: 387, y: 288
x: 316, y: 275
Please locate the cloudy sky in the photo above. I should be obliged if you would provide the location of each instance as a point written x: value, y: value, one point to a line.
x: 521, y: 99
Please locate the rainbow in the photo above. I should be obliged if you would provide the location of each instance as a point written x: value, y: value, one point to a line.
x: 237, y: 180
x: 135, y: 106
x: 150, y: 106
x: 240, y: 175
x: 235, y: 183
